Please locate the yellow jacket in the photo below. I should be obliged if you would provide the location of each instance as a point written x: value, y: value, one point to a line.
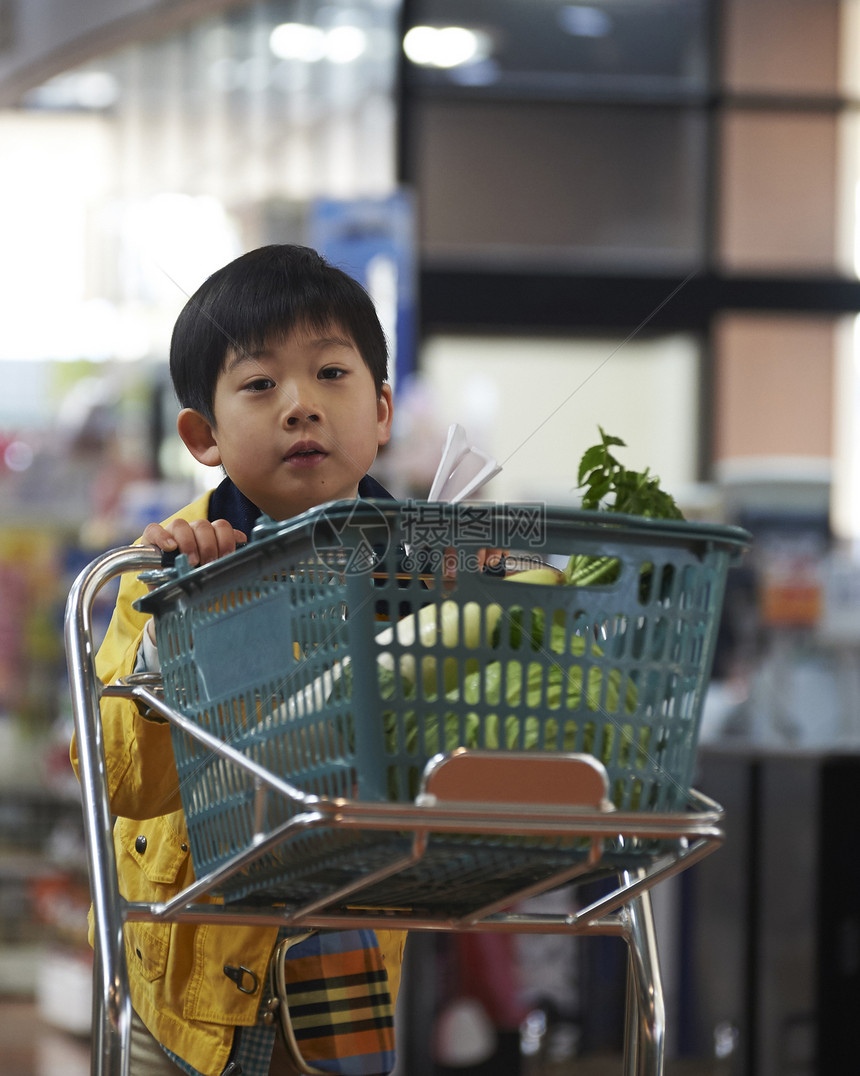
x: 179, y: 985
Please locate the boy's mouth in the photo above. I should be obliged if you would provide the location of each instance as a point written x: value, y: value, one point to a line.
x: 305, y: 454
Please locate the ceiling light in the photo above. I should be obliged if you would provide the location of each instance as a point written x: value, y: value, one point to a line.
x: 298, y: 41
x: 418, y: 44
x: 444, y: 46
x: 96, y: 90
x: 310, y: 44
x: 344, y: 44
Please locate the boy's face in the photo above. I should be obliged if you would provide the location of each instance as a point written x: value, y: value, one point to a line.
x: 296, y: 424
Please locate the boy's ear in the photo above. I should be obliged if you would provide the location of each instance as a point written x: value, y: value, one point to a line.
x: 198, y: 436
x: 384, y: 415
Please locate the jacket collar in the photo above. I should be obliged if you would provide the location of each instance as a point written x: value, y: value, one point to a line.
x: 228, y: 502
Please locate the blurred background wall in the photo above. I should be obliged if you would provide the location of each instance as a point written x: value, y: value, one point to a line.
x: 638, y: 214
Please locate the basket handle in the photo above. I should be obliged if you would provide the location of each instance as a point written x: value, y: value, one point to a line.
x: 168, y: 570
x: 534, y: 777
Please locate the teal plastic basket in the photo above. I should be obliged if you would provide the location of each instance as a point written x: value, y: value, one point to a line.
x: 337, y: 650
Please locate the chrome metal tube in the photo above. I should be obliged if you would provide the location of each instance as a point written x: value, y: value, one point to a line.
x: 645, y: 1039
x: 111, y: 1001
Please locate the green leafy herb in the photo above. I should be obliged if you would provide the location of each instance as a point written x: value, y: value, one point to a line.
x: 636, y: 493
x: 609, y: 486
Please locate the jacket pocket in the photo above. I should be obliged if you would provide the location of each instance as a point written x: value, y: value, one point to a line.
x: 152, y: 860
x: 229, y: 973
x: 146, y: 948
x: 159, y: 850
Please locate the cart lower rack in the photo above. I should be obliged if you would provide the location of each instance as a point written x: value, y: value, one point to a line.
x: 407, y: 742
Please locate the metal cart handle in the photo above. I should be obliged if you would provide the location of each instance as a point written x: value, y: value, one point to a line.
x: 111, y: 999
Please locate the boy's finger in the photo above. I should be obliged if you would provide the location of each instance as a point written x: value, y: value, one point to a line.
x: 156, y: 535
x: 185, y: 538
x: 226, y: 536
x: 200, y: 540
x: 206, y: 538
x: 490, y: 557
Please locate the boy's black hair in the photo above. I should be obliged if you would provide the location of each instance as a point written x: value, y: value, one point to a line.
x: 257, y: 300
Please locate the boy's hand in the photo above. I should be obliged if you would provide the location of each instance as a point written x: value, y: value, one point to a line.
x: 200, y: 540
x: 488, y: 560
x: 492, y: 559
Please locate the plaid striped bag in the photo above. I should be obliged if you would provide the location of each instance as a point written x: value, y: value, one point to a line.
x: 334, y: 1006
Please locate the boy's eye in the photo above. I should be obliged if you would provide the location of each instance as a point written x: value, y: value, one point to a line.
x: 331, y: 373
x: 260, y: 384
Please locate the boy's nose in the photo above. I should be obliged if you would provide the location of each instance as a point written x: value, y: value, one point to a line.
x: 293, y: 419
x: 300, y: 406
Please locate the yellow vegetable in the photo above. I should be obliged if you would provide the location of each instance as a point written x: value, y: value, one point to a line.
x: 437, y: 625
x: 440, y: 625
x: 545, y: 575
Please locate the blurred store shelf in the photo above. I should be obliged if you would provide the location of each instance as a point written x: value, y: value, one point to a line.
x: 32, y: 1047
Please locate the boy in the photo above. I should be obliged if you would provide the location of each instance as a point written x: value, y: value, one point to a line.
x: 279, y: 363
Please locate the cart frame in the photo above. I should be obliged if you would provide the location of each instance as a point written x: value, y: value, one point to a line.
x: 625, y: 912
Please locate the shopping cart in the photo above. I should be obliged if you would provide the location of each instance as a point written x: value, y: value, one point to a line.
x: 405, y: 740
